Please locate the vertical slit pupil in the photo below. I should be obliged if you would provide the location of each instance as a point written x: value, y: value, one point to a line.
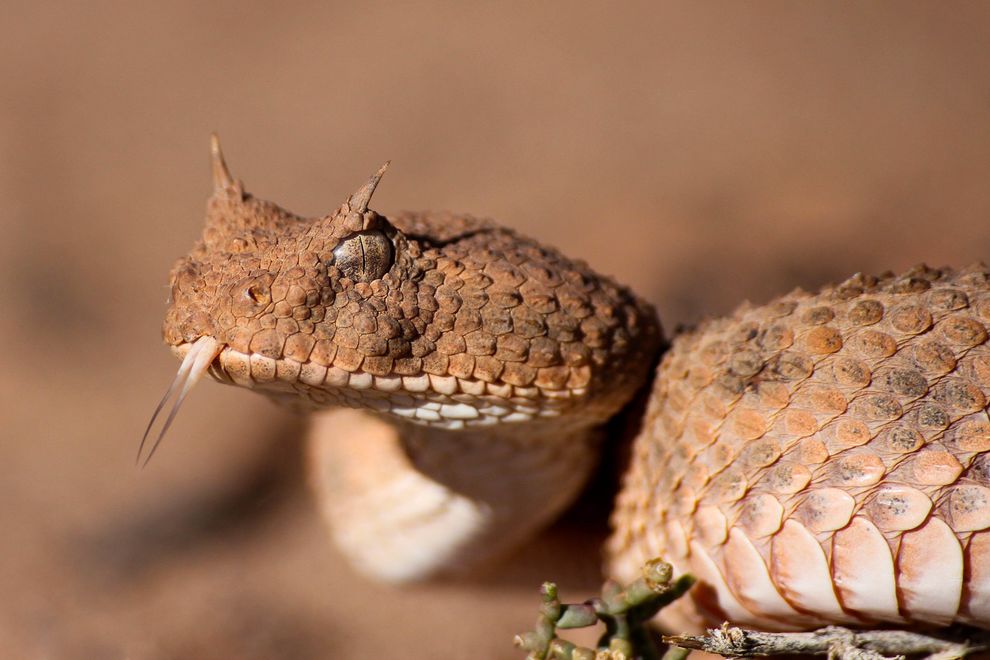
x: 364, y: 256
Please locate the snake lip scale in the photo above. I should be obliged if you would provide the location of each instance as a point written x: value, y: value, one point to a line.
x: 404, y: 396
x: 821, y: 459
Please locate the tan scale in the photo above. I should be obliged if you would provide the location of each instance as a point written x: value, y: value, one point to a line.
x: 821, y: 459
x: 842, y: 440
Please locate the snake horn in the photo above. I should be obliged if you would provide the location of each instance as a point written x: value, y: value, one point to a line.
x: 359, y: 201
x: 221, y: 175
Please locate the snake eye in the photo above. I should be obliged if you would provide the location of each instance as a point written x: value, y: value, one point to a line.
x: 364, y: 256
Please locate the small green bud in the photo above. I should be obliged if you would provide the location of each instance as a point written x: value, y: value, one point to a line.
x: 658, y: 574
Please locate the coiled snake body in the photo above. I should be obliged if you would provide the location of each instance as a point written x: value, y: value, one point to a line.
x: 820, y: 459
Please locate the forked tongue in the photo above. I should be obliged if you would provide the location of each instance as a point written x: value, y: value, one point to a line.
x: 194, y: 365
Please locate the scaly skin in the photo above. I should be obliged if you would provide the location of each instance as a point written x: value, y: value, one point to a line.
x: 488, y: 361
x: 823, y: 459
x: 820, y: 459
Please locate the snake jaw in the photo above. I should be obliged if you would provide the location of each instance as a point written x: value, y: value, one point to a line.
x: 197, y: 361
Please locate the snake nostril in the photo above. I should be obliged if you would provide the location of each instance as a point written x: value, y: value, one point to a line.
x: 250, y: 295
x: 258, y: 293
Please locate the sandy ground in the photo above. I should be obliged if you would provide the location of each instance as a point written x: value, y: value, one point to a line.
x: 704, y: 153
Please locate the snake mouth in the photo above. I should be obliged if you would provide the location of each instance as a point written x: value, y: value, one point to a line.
x: 441, y: 401
x: 196, y: 362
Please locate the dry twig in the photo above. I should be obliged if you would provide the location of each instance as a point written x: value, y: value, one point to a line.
x: 836, y: 642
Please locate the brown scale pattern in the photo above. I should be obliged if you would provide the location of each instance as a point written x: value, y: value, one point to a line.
x: 466, y: 306
x: 824, y: 458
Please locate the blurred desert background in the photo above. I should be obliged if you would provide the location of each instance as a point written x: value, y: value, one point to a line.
x: 704, y: 153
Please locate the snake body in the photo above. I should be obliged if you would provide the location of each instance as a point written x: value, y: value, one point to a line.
x: 824, y: 458
x: 819, y: 459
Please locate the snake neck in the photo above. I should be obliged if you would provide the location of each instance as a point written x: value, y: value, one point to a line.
x: 407, y: 502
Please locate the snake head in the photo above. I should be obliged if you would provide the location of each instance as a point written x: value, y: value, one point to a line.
x: 440, y: 319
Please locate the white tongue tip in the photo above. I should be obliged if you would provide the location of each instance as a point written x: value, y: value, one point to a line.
x: 195, y: 363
